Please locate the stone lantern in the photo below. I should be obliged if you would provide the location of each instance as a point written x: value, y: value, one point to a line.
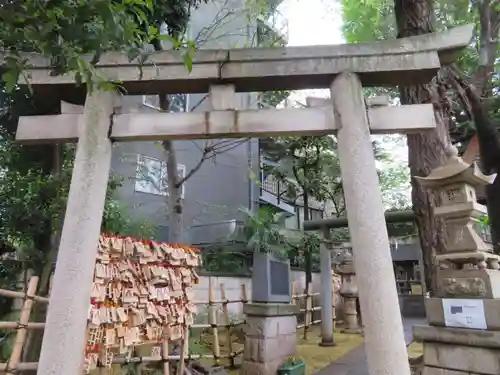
x: 349, y: 291
x: 463, y: 335
x: 474, y: 264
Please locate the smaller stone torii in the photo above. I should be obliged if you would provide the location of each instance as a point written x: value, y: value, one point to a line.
x: 342, y: 68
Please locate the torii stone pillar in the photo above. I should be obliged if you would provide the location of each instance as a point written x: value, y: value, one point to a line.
x: 326, y: 291
x: 385, y: 342
x: 67, y: 315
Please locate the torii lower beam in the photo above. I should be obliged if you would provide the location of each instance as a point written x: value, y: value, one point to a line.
x: 129, y: 127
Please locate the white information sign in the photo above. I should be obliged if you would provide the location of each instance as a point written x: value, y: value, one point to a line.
x: 464, y: 313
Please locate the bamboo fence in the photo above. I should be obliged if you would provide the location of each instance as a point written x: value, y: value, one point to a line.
x: 14, y: 364
x: 308, y: 310
x: 216, y: 324
x: 219, y: 325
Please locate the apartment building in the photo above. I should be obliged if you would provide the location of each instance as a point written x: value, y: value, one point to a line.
x: 214, y: 195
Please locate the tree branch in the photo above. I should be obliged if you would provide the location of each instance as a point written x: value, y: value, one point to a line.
x: 210, y: 151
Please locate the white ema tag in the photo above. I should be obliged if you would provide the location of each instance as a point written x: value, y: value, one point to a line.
x: 464, y: 313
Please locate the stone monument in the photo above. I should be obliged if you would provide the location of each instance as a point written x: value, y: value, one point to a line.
x: 463, y: 336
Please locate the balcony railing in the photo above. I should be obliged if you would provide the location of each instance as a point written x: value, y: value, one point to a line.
x: 271, y: 185
x: 212, y: 233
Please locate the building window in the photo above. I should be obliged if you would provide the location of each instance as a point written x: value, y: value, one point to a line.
x: 315, y: 214
x: 177, y: 102
x: 151, y: 176
x: 291, y: 222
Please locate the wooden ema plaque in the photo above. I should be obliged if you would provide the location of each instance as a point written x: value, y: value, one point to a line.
x: 141, y: 294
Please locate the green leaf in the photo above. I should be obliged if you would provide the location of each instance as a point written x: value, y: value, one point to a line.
x: 10, y: 78
x: 188, y: 61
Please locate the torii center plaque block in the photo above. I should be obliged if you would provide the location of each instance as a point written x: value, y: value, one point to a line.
x: 342, y: 68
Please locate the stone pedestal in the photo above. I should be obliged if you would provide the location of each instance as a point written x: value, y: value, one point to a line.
x: 270, y: 337
x: 349, y: 291
x: 464, y: 332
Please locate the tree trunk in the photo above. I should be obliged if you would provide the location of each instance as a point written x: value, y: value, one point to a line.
x: 307, y: 254
x: 489, y: 149
x: 174, y: 189
x: 426, y: 151
x: 489, y: 17
x: 175, y: 229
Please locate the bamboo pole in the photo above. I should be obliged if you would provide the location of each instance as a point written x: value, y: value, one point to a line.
x: 213, y: 322
x: 315, y: 308
x: 150, y: 359
x: 12, y: 294
x: 308, y: 314
x: 29, y: 366
x: 14, y: 325
x: 219, y: 301
x: 23, y: 366
x: 166, y: 363
x: 219, y: 325
x: 184, y: 351
x: 229, y: 330
x: 22, y: 330
x: 294, y: 293
x: 244, y: 298
x: 334, y: 303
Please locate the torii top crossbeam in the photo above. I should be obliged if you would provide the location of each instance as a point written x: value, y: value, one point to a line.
x: 410, y: 60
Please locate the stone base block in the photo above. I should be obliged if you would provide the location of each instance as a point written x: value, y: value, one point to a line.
x: 271, y: 326
x: 442, y: 371
x: 435, y: 314
x: 467, y: 359
x: 270, y: 337
x: 458, y: 336
x: 266, y: 349
x: 473, y: 283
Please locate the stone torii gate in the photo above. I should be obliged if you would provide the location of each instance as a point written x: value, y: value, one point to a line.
x: 342, y: 68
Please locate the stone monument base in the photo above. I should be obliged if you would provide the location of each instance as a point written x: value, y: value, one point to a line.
x: 435, y: 313
x: 457, y: 351
x: 270, y: 337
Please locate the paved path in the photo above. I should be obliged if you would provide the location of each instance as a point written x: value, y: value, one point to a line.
x: 354, y: 363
